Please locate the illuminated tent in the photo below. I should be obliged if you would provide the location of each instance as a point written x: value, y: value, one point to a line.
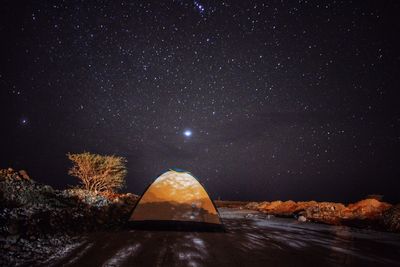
x: 175, y: 200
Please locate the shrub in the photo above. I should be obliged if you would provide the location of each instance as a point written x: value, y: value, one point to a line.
x: 98, y: 173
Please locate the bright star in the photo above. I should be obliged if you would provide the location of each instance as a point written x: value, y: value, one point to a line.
x: 199, y: 7
x: 187, y: 133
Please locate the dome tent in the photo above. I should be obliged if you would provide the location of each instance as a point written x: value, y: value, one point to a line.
x: 176, y: 200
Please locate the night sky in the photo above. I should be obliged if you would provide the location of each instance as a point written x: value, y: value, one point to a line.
x: 261, y: 100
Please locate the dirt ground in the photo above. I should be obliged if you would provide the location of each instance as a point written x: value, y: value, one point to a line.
x: 251, y: 239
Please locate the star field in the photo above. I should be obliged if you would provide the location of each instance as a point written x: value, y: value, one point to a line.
x: 277, y: 100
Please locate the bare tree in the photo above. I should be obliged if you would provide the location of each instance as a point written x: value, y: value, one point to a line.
x: 98, y: 173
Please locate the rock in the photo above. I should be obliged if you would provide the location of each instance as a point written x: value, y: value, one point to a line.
x: 13, y: 248
x: 13, y: 228
x: 301, y: 218
x: 281, y: 208
x: 252, y: 205
x: 12, y: 239
x: 362, y: 213
x: 270, y: 206
x: 367, y: 209
x: 391, y: 219
x: 24, y: 174
x: 286, y: 208
x: 325, y: 212
x: 16, y: 191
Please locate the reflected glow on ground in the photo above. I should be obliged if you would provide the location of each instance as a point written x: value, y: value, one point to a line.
x: 251, y: 239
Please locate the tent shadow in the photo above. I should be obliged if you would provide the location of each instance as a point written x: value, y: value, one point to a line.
x: 173, y: 216
x: 176, y: 226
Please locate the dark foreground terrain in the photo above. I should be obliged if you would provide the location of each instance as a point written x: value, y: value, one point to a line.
x: 42, y: 226
x: 252, y: 239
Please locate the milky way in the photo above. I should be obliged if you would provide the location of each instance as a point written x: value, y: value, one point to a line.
x: 283, y: 100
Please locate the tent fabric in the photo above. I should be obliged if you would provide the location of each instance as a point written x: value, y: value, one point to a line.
x: 175, y: 196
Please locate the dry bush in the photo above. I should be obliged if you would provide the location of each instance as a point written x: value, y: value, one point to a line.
x: 98, y: 173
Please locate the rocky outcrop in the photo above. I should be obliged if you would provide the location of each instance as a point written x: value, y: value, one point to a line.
x: 325, y: 212
x: 367, y: 209
x: 34, y: 217
x: 281, y: 208
x: 367, y: 212
x: 11, y: 174
x: 391, y: 219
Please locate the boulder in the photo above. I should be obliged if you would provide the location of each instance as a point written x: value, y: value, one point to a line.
x: 364, y: 213
x: 270, y: 206
x: 286, y: 208
x: 325, y: 212
x: 367, y: 209
x: 391, y: 219
x: 24, y: 174
x: 17, y: 190
x: 302, y: 218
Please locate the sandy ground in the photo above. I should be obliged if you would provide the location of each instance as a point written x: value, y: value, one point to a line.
x: 251, y: 239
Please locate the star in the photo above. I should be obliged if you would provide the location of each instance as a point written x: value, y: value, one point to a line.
x: 24, y: 121
x: 210, y: 87
x: 199, y: 7
x: 187, y: 133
